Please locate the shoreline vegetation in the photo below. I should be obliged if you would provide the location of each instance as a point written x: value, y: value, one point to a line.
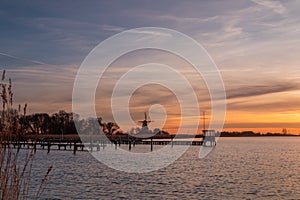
x: 15, y: 167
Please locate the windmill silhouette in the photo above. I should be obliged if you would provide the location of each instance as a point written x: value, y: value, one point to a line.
x: 145, y: 122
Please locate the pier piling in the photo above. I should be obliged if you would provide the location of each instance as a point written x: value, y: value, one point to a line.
x: 129, y: 145
x: 75, y: 148
x: 48, y: 146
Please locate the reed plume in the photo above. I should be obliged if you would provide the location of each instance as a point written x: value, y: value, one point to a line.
x: 14, y: 173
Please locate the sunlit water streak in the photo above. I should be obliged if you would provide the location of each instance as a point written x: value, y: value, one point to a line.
x: 239, y: 168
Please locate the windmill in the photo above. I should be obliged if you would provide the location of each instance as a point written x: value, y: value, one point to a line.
x: 145, y: 122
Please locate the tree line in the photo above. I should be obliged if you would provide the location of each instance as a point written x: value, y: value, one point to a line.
x: 58, y: 123
x: 63, y: 123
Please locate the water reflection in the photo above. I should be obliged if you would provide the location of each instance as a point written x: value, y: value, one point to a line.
x: 239, y: 168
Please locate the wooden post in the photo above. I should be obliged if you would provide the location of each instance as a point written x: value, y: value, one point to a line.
x: 151, y: 144
x: 129, y: 143
x: 34, y: 147
x: 75, y: 148
x: 48, y: 146
x: 115, y: 144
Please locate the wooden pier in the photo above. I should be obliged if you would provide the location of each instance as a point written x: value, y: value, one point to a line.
x: 172, y: 142
x: 46, y: 145
x: 77, y: 145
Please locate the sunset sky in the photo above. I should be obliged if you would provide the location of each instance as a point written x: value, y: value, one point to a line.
x: 255, y: 44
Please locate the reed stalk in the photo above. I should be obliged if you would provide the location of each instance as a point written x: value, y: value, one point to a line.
x: 14, y: 173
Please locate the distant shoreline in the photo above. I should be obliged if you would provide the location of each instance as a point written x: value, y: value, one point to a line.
x: 223, y: 135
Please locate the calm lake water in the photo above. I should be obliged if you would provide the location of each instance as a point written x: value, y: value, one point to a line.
x: 238, y: 168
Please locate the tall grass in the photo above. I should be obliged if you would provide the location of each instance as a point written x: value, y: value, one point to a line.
x: 15, y: 165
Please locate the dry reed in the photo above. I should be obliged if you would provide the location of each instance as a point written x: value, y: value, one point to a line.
x: 14, y: 173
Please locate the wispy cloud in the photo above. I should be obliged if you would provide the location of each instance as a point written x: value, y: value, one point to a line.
x: 183, y: 20
x: 268, y: 104
x: 152, y: 33
x: 276, y: 6
x: 74, y: 35
x: 256, y: 90
x: 107, y: 27
x: 245, y: 125
x: 42, y: 85
x: 23, y: 59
